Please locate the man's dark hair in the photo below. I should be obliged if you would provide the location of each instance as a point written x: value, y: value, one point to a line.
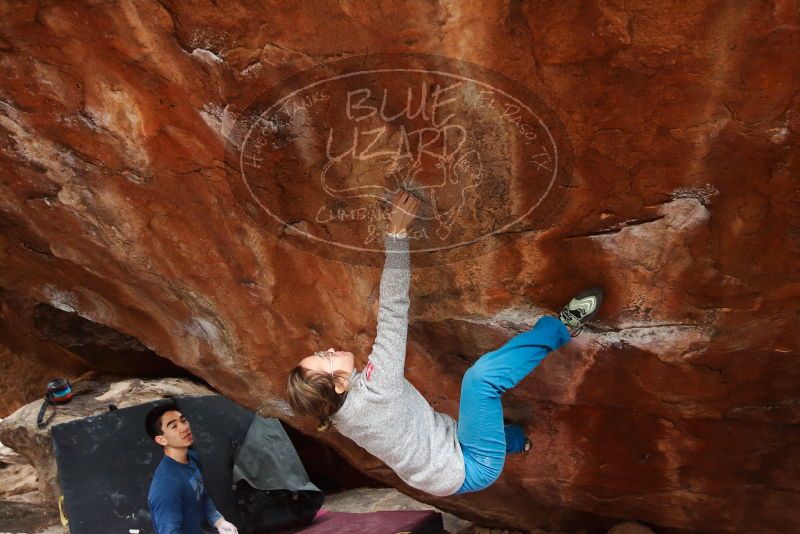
x: 152, y: 422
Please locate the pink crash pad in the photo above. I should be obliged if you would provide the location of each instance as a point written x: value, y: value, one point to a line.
x: 412, y: 522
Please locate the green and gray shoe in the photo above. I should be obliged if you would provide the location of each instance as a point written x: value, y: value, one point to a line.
x: 580, y: 309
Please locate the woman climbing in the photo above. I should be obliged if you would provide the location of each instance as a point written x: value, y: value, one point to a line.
x: 383, y: 413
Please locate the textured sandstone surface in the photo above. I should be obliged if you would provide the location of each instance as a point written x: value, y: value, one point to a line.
x: 18, y: 478
x: 119, y: 204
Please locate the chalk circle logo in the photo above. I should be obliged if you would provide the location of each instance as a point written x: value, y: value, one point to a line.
x: 320, y: 156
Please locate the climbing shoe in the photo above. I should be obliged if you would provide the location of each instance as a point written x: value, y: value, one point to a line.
x: 580, y: 309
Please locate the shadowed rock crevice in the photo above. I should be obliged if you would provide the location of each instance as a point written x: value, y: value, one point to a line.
x: 104, y: 349
x: 39, y: 342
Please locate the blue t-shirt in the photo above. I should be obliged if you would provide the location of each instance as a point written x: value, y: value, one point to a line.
x: 178, y: 499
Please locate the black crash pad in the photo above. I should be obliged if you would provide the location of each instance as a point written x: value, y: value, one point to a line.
x: 106, y: 462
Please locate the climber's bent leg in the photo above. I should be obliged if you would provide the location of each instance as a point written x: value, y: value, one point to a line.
x: 481, y: 432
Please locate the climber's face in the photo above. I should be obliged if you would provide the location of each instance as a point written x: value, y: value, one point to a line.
x: 176, y: 432
x: 330, y: 362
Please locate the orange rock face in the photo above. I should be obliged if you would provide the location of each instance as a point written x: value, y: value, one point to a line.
x: 666, y: 169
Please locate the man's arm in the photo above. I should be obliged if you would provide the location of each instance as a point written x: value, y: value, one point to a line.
x: 212, y: 514
x: 166, y: 508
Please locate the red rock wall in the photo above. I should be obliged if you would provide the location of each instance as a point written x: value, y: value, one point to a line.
x: 679, y: 409
x: 21, y: 380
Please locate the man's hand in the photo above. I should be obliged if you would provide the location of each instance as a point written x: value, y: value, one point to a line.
x: 404, y: 211
x: 223, y: 527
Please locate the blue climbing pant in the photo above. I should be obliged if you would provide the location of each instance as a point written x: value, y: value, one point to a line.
x: 484, y: 439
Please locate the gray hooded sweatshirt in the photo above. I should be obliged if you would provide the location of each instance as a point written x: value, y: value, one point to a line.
x: 384, y: 413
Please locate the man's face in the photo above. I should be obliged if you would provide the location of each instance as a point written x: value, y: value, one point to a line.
x: 176, y: 431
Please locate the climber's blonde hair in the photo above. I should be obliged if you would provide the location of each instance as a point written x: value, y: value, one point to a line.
x: 314, y: 394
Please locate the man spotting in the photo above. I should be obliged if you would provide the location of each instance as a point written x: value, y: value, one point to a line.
x: 179, y: 503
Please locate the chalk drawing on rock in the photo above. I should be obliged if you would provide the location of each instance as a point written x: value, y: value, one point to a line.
x: 331, y: 146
